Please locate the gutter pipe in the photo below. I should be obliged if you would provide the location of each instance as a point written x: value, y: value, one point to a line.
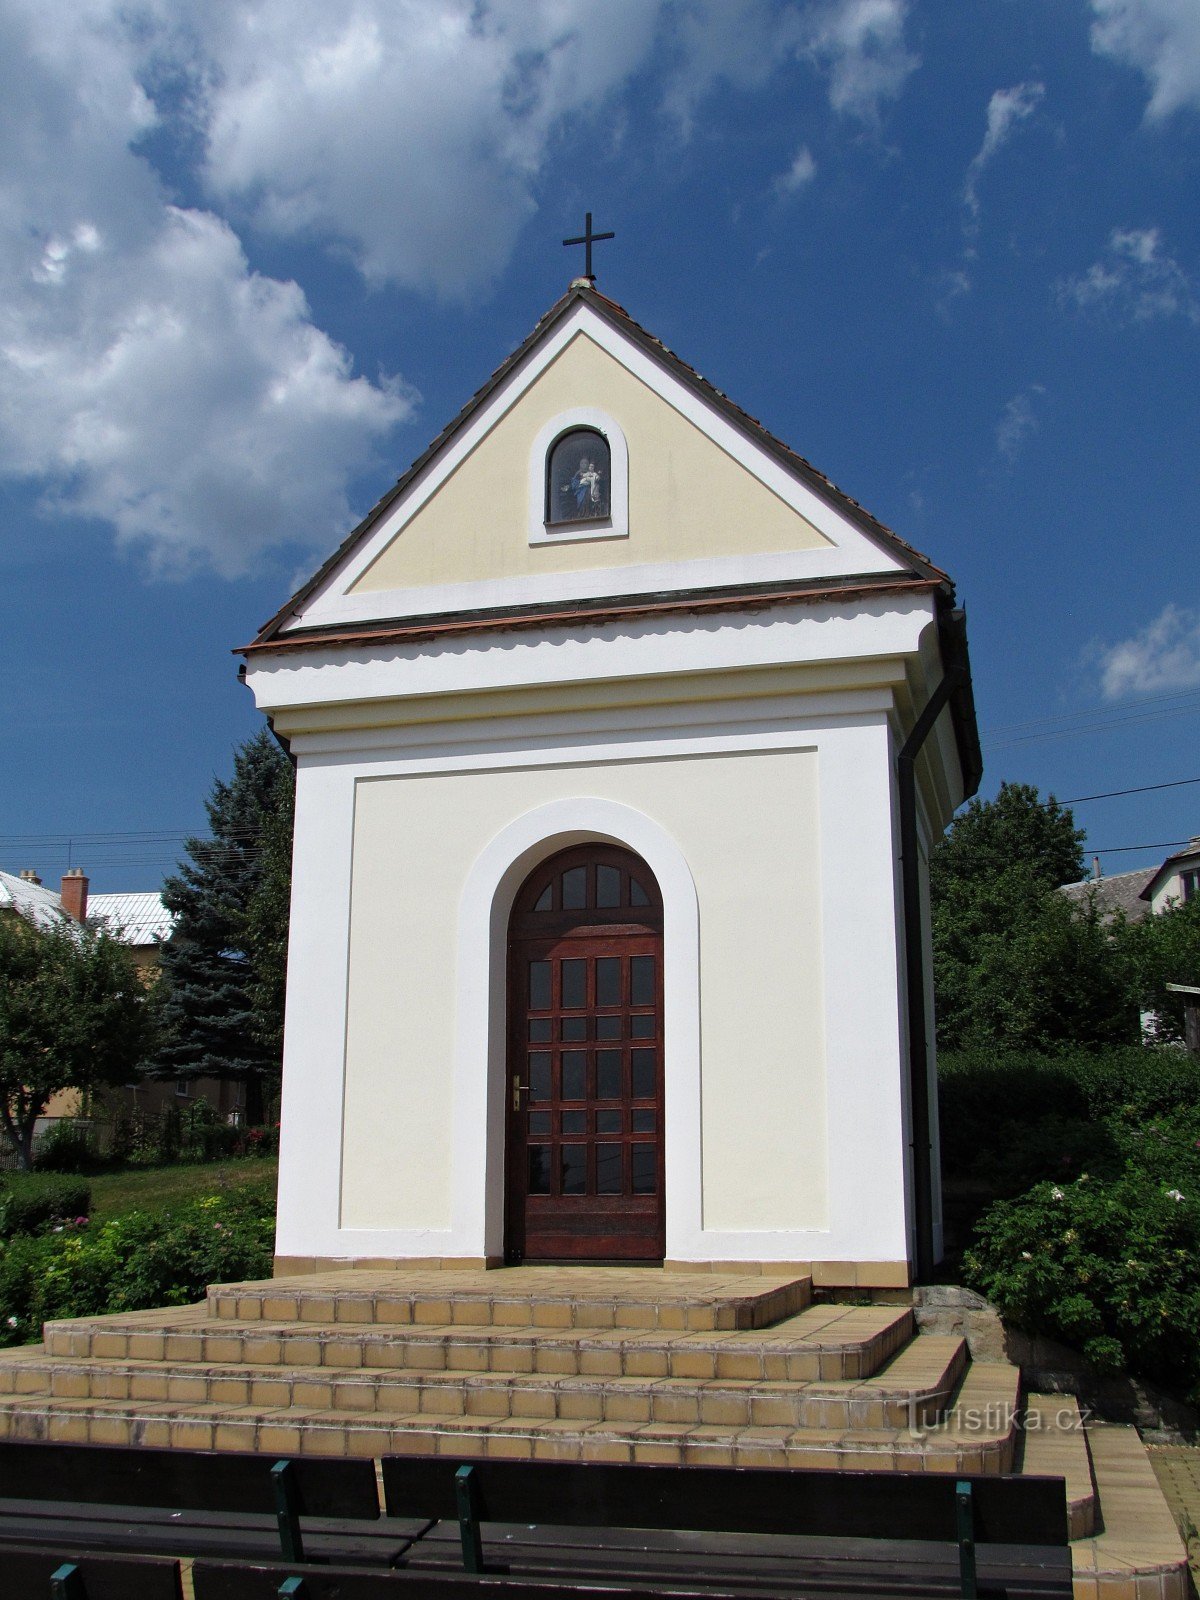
x: 955, y: 684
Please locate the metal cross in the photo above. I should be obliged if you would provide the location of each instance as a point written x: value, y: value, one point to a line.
x: 587, y: 238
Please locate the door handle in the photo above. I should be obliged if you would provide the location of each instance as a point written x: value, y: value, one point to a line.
x: 518, y: 1089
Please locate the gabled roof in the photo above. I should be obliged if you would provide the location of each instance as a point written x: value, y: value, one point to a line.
x: 916, y: 568
x: 32, y: 900
x: 1189, y: 857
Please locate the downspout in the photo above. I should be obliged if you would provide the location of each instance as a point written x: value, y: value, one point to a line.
x: 957, y: 677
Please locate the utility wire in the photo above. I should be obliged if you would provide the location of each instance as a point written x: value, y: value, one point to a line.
x: 1144, y: 788
x: 1119, y: 849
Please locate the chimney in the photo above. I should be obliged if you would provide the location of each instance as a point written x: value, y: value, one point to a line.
x: 28, y: 875
x: 1096, y: 868
x: 74, y: 893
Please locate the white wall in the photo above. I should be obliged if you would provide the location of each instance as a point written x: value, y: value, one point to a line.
x: 784, y: 1124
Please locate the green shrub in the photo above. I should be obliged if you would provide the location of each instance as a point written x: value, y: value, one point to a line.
x: 1009, y: 1119
x: 136, y: 1261
x: 1107, y: 1266
x: 67, y: 1146
x: 205, y: 1135
x: 30, y: 1203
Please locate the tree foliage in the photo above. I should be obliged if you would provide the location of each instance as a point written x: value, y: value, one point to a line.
x: 73, y: 1015
x: 1015, y: 965
x: 1164, y: 949
x: 1016, y: 829
x: 214, y: 985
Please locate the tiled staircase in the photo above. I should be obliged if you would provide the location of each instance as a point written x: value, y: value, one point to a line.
x: 570, y: 1363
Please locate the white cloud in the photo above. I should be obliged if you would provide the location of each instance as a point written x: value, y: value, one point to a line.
x: 1018, y: 421
x: 1006, y: 109
x: 148, y: 378
x: 1161, y: 39
x: 798, y: 176
x: 861, y: 44
x: 1135, y: 279
x: 1164, y: 656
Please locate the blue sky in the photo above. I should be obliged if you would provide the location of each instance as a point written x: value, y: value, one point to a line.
x: 254, y: 254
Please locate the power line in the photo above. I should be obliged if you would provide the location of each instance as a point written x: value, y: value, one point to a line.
x: 1144, y: 788
x: 1119, y: 849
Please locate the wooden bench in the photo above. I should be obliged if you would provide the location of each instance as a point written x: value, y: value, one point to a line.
x: 195, y: 1502
x: 34, y: 1573
x: 742, y: 1527
x: 222, y: 1580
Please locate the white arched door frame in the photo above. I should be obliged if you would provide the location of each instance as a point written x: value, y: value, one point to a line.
x: 482, y: 1000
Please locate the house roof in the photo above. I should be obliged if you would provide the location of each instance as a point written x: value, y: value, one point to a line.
x: 137, y: 919
x: 1189, y: 857
x: 1120, y: 895
x: 33, y: 900
x: 917, y: 566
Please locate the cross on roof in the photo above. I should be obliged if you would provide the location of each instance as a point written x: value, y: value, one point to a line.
x: 587, y: 238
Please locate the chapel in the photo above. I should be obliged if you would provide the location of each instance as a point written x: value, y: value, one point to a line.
x: 622, y: 737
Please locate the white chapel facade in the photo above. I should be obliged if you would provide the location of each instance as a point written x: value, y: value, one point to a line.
x: 621, y: 740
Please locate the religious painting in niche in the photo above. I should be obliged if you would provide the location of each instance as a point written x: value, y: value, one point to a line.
x: 578, y: 478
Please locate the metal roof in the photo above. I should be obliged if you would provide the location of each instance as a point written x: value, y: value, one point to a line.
x: 32, y: 900
x: 138, y: 919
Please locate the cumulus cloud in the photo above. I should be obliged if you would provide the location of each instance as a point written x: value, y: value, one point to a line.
x: 1018, y: 421
x: 1135, y: 280
x: 1161, y: 39
x: 861, y: 44
x: 1006, y: 109
x: 1163, y: 657
x: 798, y: 176
x: 149, y: 378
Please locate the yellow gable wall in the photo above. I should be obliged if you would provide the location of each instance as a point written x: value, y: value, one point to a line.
x: 688, y: 499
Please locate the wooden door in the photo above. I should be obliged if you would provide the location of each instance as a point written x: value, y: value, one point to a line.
x: 584, y: 1093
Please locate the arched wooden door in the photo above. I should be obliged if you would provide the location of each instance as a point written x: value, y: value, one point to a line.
x: 584, y: 1098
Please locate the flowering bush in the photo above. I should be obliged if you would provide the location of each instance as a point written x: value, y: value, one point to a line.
x: 31, y: 1204
x: 1105, y: 1265
x: 135, y: 1261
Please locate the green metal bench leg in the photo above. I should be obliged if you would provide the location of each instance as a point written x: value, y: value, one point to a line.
x: 287, y: 1510
x: 292, y: 1589
x: 66, y: 1583
x: 965, y: 1510
x: 467, y: 1495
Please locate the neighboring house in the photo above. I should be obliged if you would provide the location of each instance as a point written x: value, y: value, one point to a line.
x: 1118, y: 896
x: 1146, y: 892
x: 139, y: 920
x: 25, y: 895
x: 142, y: 922
x: 1178, y: 879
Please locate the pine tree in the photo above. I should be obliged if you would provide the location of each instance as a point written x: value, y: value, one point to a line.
x: 210, y: 984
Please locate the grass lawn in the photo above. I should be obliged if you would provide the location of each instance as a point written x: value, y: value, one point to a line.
x: 148, y: 1188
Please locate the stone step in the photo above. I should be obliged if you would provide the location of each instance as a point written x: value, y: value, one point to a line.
x: 823, y: 1342
x: 913, y: 1389
x: 986, y: 1392
x: 540, y: 1297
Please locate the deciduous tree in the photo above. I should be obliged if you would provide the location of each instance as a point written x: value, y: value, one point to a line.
x: 73, y: 1015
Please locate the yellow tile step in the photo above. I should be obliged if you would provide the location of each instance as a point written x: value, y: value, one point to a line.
x: 822, y: 1342
x: 912, y: 1389
x: 1053, y: 1444
x: 544, y: 1297
x: 318, y: 1431
x: 1136, y: 1552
